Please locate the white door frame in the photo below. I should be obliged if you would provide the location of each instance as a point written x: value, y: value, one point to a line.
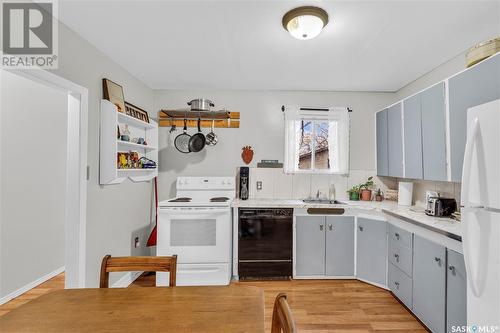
x: 75, y: 220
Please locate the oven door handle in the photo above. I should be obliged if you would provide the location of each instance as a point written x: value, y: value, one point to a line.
x: 280, y: 218
x: 195, y: 211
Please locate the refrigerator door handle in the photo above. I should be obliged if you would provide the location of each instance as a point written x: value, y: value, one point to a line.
x: 471, y: 140
x: 476, y: 268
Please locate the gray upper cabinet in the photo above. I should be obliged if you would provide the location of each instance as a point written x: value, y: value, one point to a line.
x: 340, y: 245
x: 382, y: 157
x: 456, y: 294
x: 477, y: 85
x: 434, y: 132
x: 395, y: 141
x: 310, y: 246
x: 371, y: 254
x: 413, y: 137
x: 429, y: 283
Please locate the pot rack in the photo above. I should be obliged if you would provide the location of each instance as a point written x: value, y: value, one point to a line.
x: 221, y: 118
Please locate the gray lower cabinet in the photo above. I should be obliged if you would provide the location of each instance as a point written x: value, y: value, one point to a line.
x: 324, y: 246
x: 395, y: 140
x: 340, y: 246
x: 401, y: 285
x: 477, y: 85
x: 400, y: 249
x: 434, y: 133
x: 456, y: 291
x: 382, y: 156
x: 310, y: 246
x: 371, y: 254
x: 412, y: 124
x: 429, y: 283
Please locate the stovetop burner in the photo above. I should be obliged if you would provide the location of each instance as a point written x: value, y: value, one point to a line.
x: 180, y: 200
x: 219, y: 199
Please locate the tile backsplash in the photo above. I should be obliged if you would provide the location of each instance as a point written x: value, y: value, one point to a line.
x: 278, y: 185
x: 445, y: 190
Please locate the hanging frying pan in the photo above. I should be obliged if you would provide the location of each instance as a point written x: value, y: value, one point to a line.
x: 181, y: 141
x: 197, y: 141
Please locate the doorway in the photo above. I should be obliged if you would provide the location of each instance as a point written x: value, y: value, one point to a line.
x: 43, y: 172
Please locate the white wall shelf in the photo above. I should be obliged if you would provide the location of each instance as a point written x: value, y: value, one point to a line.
x: 131, y: 121
x: 110, y: 146
x: 127, y: 146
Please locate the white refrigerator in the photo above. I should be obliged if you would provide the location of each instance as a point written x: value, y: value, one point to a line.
x: 480, y: 201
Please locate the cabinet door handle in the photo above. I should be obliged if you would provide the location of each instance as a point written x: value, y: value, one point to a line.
x: 396, y: 256
x: 438, y: 260
x: 397, y: 235
x: 360, y: 228
x: 321, y: 227
x: 452, y: 269
x: 397, y: 285
x: 330, y: 227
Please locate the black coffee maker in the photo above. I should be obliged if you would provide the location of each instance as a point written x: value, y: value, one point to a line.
x: 244, y: 183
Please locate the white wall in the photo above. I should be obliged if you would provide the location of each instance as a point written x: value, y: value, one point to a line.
x: 33, y: 181
x: 439, y: 73
x: 261, y: 127
x: 115, y: 213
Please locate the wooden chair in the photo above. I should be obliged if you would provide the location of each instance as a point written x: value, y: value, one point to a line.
x: 282, y: 316
x: 131, y: 264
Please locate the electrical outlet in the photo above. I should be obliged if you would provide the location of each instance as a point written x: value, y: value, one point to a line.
x: 259, y: 185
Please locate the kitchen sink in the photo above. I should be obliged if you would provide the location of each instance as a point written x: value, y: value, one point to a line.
x: 324, y: 201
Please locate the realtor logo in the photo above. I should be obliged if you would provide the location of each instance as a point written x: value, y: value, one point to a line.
x: 29, y: 36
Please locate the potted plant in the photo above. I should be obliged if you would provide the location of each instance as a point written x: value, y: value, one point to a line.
x: 354, y: 193
x: 379, y: 195
x: 365, y: 189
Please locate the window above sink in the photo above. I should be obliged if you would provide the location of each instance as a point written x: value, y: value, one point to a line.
x: 316, y: 140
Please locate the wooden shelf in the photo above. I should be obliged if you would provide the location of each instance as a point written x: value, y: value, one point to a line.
x: 131, y: 145
x: 222, y: 119
x: 188, y: 114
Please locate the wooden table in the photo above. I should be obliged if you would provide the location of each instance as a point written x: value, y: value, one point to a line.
x: 232, y: 309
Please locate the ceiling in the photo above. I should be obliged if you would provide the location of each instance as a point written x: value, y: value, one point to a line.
x: 367, y: 46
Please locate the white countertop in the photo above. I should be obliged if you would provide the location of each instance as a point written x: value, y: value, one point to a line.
x: 413, y: 214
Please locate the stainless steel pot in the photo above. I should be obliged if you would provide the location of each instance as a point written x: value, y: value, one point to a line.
x: 201, y: 104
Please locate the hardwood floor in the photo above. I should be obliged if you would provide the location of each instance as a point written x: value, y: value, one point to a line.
x: 53, y: 284
x: 318, y: 306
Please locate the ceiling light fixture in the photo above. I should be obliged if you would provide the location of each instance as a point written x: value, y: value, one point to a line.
x: 305, y: 22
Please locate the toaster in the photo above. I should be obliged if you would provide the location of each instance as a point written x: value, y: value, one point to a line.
x: 437, y: 206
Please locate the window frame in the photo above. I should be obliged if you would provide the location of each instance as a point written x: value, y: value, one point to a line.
x: 325, y: 115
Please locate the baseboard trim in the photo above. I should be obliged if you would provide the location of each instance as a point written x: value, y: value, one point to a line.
x: 31, y: 285
x: 382, y: 286
x: 126, y: 280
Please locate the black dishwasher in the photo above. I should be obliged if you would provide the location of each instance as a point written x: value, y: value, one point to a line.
x: 265, y: 241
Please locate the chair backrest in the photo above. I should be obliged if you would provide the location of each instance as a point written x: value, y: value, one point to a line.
x: 131, y: 264
x: 282, y: 316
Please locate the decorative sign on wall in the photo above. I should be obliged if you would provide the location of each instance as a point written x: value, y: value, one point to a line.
x: 136, y: 112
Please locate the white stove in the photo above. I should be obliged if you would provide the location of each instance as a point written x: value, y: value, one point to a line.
x: 196, y: 226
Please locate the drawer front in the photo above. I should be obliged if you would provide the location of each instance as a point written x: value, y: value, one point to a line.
x: 401, y: 257
x: 400, y: 237
x: 401, y: 285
